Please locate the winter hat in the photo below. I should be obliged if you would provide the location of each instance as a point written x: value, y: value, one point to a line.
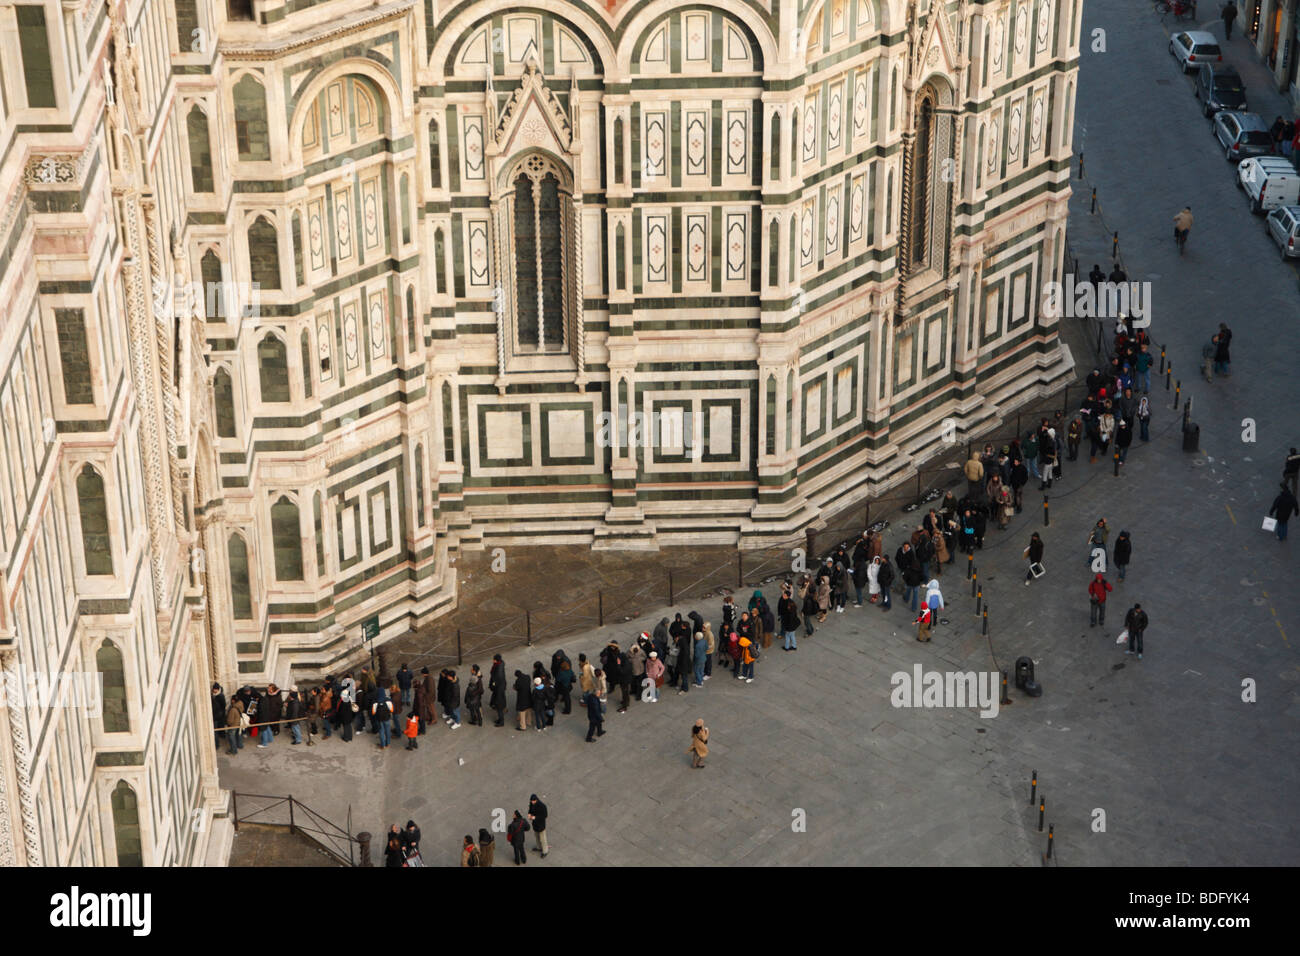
x: 1051, y: 432
x: 537, y: 682
x: 532, y: 798
x: 654, y: 654
x: 645, y: 636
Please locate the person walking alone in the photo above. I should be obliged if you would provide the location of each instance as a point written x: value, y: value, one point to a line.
x: 1123, y: 553
x: 595, y: 715
x: 1035, y: 555
x: 1229, y: 14
x: 1284, y: 506
x: 1097, y: 589
x: 699, y: 748
x: 1136, y: 622
x: 1291, y: 471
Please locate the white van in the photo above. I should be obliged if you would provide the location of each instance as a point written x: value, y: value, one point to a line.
x: 1269, y: 182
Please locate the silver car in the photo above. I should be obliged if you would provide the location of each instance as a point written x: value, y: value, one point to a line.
x: 1242, y: 135
x: 1283, y: 225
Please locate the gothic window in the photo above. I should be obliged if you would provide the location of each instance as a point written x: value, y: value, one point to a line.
x: 187, y: 22
x: 252, y: 139
x: 794, y: 139
x: 620, y: 260
x: 410, y: 320
x: 794, y: 249
x: 930, y: 194
x: 295, y: 233
x: 126, y: 824
x: 241, y: 594
x: 435, y: 155
x: 776, y: 148
x: 448, y: 426
x: 108, y: 661
x: 210, y: 270
x: 263, y: 254
x: 439, y: 262
x: 419, y: 486
x: 893, y: 101
x: 305, y: 349
x: 618, y: 151
x: 200, y: 151
x: 539, y: 214
x: 773, y: 252
x: 405, y: 194
x: 273, y: 369
x: 789, y: 411
x: 92, y: 504
x: 223, y: 394
x: 286, y: 539
x: 770, y: 441
x: 318, y: 527
x: 922, y: 158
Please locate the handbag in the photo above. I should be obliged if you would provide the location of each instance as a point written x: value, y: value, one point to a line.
x: 1270, y: 524
x: 1123, y: 636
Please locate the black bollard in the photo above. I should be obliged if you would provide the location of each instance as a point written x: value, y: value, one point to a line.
x: 1081, y: 165
x: 970, y: 565
x: 1169, y: 372
x: 1005, y: 701
x: 1116, y: 464
x: 1049, y: 842
x: 974, y: 581
x: 979, y: 600
x: 1033, y: 784
x: 986, y: 618
x: 1178, y: 392
x: 1094, y: 201
x: 1114, y: 246
x: 1162, y: 360
x: 1042, y: 810
x: 1047, y: 518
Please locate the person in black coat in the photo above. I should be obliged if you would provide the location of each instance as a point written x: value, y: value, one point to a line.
x: 515, y: 834
x: 618, y: 674
x: 474, y: 696
x: 404, y: 681
x: 1122, y: 553
x: 685, y: 659
x: 564, y: 683
x: 410, y: 838
x: 523, y: 698
x: 1284, y: 506
x: 393, y: 854
x: 540, y: 703
x: 497, y: 689
x: 981, y: 515
x: 809, y: 609
x: 556, y: 658
x: 885, y: 577
x: 443, y: 696
x: 293, y: 713
x: 219, y: 709
x: 537, y: 817
x: 910, y: 570
x: 595, y: 717
x: 451, y: 698
x: 1019, y: 478
x: 1035, y: 555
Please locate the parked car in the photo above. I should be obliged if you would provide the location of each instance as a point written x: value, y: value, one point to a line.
x: 1191, y: 48
x: 1283, y: 225
x: 1269, y: 182
x: 1242, y: 135
x: 1219, y: 87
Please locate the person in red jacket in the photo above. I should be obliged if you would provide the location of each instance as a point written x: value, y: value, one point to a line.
x: 1097, y: 589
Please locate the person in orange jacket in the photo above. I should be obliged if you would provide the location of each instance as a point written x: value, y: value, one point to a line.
x: 412, y: 729
x: 748, y: 654
x: 1097, y: 589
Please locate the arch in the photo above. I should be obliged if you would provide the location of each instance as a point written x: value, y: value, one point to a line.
x: 115, y: 715
x: 286, y: 540
x: 92, y: 507
x: 223, y: 398
x: 200, y: 144
x: 273, y: 368
x: 264, y: 254
x: 750, y: 16
x: 252, y: 132
x: 456, y: 31
x: 241, y: 591
x: 388, y: 88
x: 127, y: 842
x: 304, y: 349
x: 884, y: 14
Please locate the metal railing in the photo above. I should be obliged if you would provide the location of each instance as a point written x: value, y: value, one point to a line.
x: 339, y: 843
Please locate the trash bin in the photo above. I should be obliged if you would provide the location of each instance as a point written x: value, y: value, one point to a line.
x: 1024, y: 672
x: 1191, y: 437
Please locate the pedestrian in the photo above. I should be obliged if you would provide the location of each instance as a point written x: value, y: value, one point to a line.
x: 1222, y: 355
x: 497, y: 689
x: 1229, y: 14
x: 685, y: 660
x: 809, y: 608
x: 602, y: 685
x: 1097, y: 539
x: 873, y: 581
x: 654, y: 672
x: 487, y: 847
x: 1123, y: 438
x: 1035, y: 555
x: 1018, y: 478
x: 910, y: 569
x: 393, y: 855
x: 788, y: 611
x: 1135, y: 622
x: 537, y: 817
x: 974, y: 471
x: 923, y: 622
x: 564, y: 683
x: 1144, y: 417
x: 587, y: 673
x: 1291, y: 471
x: 595, y: 716
x: 710, y: 647
x: 1123, y: 553
x: 234, y: 723
x: 427, y: 715
x: 1208, y: 351
x: 325, y: 707
x: 699, y: 653
x: 733, y: 647
x: 515, y: 835
x: 1030, y: 448
x: 404, y: 680
x: 1096, y: 277
x: 411, y: 838
x: 539, y: 703
x: 469, y: 853
x: 823, y: 598
x: 966, y: 533
x: 1117, y: 274
x: 474, y: 696
x: 861, y: 577
x: 1097, y: 589
x: 699, y: 748
x: 398, y: 725
x: 443, y: 696
x: 1142, y: 361
x: 1284, y: 506
x: 884, y: 577
x: 1004, y: 507
x: 934, y: 597
x: 382, y: 712
x: 412, y: 731
x: 523, y: 699
x: 729, y: 616
x: 453, y: 699
x: 218, y: 712
x: 312, y: 710
x: 749, y: 653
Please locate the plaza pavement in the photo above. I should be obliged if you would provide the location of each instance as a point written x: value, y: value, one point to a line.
x: 1184, y: 770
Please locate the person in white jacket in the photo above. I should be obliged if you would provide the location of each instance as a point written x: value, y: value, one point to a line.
x: 873, y: 585
x: 934, y: 597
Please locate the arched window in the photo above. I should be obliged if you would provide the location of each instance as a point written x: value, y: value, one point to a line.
x: 264, y: 254
x: 789, y: 411
x: 295, y: 234
x: 922, y: 164
x: 448, y: 425
x: 435, y: 155
x: 108, y: 661
x: 213, y: 291
x: 794, y: 248
x: 773, y: 253
x: 771, y: 415
x: 286, y: 540
x: 794, y: 141
x: 241, y: 594
x: 419, y: 486
x: 540, y: 216
x: 223, y: 394
x: 622, y: 413
x: 273, y: 369
x: 889, y: 203
x: 620, y: 259
x: 304, y: 343
x: 252, y: 139
x: 893, y: 100
x: 319, y: 528
x: 411, y: 343
x: 200, y: 144
x: 979, y: 159
x: 775, y: 173
x: 92, y: 504
x: 618, y: 150
x: 404, y: 193
x: 187, y: 21
x: 440, y: 262
x: 126, y: 813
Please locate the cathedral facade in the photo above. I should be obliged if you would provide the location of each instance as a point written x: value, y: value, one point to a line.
x: 301, y: 297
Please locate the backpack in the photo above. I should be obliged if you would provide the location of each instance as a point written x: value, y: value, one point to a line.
x: 754, y: 652
x: 383, y: 711
x: 475, y: 858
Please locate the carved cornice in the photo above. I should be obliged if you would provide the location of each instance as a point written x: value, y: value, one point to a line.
x: 236, y: 50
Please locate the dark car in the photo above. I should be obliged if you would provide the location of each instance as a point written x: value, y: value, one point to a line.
x: 1219, y: 87
x: 1242, y: 135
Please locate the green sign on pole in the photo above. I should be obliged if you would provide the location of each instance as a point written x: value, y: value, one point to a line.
x: 370, y: 628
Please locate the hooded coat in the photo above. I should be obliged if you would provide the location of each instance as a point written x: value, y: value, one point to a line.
x: 1123, y: 549
x: 497, y: 686
x: 823, y: 594
x: 873, y: 577
x: 523, y: 692
x: 932, y: 592
x: 660, y: 637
